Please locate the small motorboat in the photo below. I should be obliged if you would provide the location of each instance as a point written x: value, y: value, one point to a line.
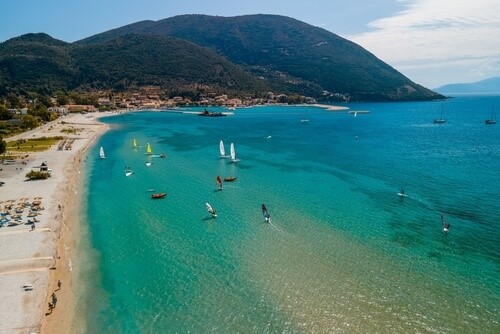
x: 158, y: 195
x: 229, y: 179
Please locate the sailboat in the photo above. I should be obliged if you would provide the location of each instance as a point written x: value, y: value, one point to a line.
x: 492, y: 120
x: 439, y: 120
x: 222, y: 150
x: 128, y: 171
x: 233, y: 154
x: 218, y: 182
x: 134, y: 144
x: 101, y: 153
x: 266, y: 215
x: 211, y: 210
x: 149, y: 150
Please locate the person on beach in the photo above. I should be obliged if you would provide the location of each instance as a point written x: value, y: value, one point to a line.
x: 59, y: 284
x: 33, y: 226
x: 54, y: 299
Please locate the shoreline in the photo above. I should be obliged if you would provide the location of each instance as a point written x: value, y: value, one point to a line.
x: 32, y: 260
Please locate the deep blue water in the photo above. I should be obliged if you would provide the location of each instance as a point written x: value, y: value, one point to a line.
x: 344, y: 253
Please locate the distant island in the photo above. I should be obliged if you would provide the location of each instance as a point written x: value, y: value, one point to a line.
x: 488, y: 86
x: 195, y: 56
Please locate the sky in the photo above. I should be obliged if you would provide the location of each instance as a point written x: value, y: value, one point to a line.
x: 432, y: 42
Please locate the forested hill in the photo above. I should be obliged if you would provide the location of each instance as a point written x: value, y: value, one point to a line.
x: 271, y: 45
x: 199, y: 54
x: 37, y: 62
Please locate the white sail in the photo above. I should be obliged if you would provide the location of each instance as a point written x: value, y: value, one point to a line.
x: 222, y: 150
x: 233, y: 154
x: 211, y: 210
x: 101, y: 153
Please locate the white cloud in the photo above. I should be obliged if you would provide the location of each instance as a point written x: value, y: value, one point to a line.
x: 429, y: 35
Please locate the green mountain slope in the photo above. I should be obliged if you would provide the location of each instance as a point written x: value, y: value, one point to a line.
x: 276, y: 46
x: 38, y: 62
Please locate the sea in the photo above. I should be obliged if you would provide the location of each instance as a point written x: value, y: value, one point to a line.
x: 343, y: 252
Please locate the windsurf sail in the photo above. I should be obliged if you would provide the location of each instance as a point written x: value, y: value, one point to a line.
x: 211, y: 210
x: 222, y: 150
x: 149, y: 150
x: 265, y: 213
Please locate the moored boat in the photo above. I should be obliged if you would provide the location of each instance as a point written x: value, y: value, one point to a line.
x: 158, y: 195
x: 493, y: 119
x: 229, y: 178
x: 439, y: 120
x: 211, y: 114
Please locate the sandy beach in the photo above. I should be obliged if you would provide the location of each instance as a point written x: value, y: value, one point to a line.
x: 34, y: 257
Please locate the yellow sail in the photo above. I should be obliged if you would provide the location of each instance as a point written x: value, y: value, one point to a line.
x: 135, y: 144
x: 149, y: 151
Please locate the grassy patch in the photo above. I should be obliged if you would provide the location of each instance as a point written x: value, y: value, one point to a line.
x: 33, y: 144
x: 71, y: 130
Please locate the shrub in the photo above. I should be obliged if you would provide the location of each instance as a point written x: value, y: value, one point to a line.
x: 33, y: 175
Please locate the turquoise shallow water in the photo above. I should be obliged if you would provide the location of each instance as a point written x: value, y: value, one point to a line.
x: 343, y: 253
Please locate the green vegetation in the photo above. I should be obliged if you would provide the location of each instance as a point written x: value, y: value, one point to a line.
x: 32, y: 145
x: 70, y: 130
x: 291, y: 54
x: 196, y: 55
x: 33, y: 175
x: 3, y: 145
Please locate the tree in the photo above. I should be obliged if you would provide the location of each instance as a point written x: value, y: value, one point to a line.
x: 30, y: 122
x: 3, y: 145
x: 13, y: 101
x: 4, y: 113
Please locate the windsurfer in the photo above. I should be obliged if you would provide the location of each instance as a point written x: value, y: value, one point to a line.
x: 218, y: 182
x: 446, y: 226
x: 266, y: 214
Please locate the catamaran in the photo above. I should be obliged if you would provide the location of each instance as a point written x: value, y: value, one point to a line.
x: 218, y: 182
x: 439, y: 120
x: 233, y: 154
x: 222, y: 150
x: 149, y: 150
x: 101, y: 153
x: 266, y: 214
x: 211, y: 210
x: 492, y: 120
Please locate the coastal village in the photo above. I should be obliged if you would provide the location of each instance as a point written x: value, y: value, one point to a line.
x: 151, y: 98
